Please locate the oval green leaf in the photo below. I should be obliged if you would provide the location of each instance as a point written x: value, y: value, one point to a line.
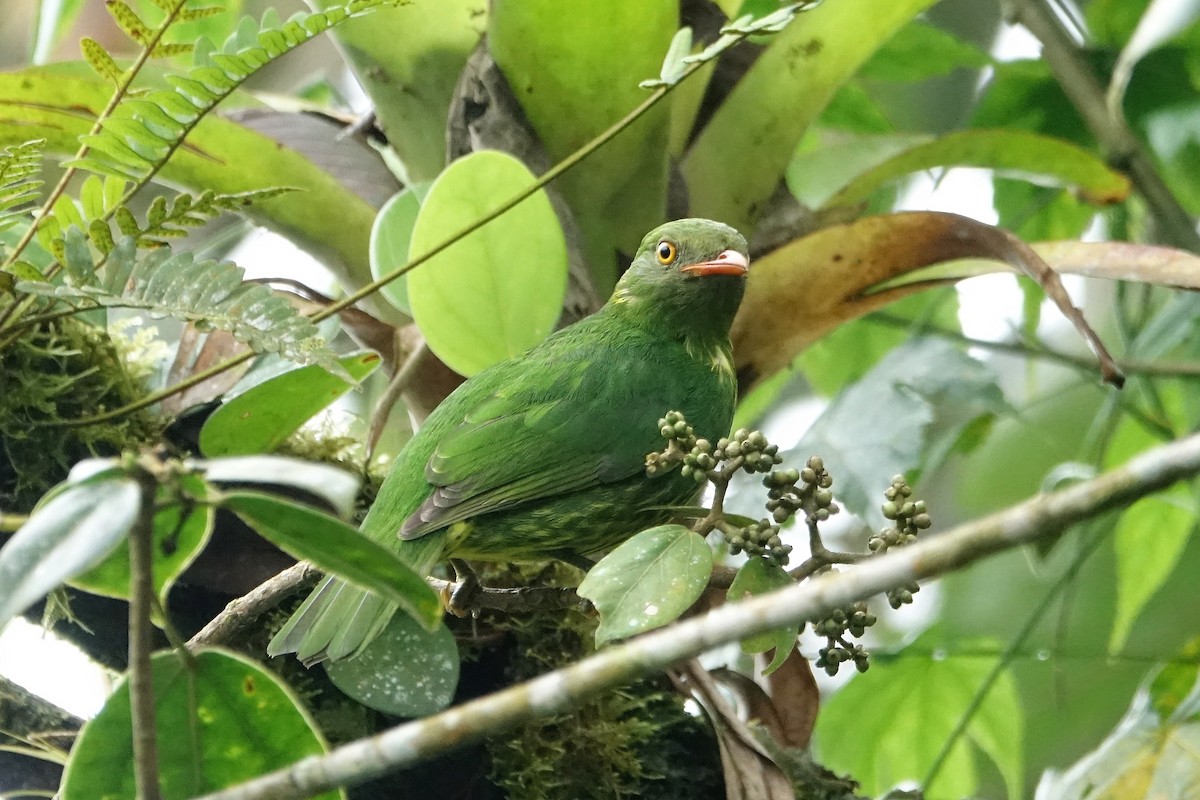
x: 70, y: 534
x: 335, y: 485
x: 391, y: 240
x: 406, y: 670
x: 648, y: 581
x: 334, y: 546
x: 261, y: 418
x: 758, y: 576
x: 181, y: 531
x: 204, y: 741
x: 499, y: 291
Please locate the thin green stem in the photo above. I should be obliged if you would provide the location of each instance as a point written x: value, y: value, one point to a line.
x: 141, y: 681
x: 1010, y: 652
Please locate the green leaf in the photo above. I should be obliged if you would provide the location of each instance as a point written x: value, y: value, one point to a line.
x: 334, y: 546
x: 204, y: 741
x: 260, y: 419
x: 499, y: 291
x: 72, y: 532
x: 99, y: 60
x: 406, y: 670
x: 181, y: 530
x: 335, y: 485
x: 820, y: 169
x: 740, y: 155
x: 573, y: 86
x: 758, y: 576
x: 882, y: 424
x: 907, y: 707
x: 391, y: 239
x: 648, y: 581
x: 1034, y: 156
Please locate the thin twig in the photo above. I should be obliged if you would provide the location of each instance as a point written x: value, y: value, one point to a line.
x: 141, y: 631
x: 558, y: 691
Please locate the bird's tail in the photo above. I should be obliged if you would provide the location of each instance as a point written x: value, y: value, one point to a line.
x: 339, y: 619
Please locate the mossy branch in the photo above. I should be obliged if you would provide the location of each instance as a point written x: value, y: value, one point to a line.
x: 413, y: 742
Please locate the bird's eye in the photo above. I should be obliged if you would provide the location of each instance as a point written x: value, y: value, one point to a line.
x: 667, y: 252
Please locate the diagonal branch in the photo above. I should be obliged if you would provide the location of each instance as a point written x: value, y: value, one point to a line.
x: 558, y: 691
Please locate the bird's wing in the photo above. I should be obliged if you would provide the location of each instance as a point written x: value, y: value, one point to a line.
x: 555, y: 427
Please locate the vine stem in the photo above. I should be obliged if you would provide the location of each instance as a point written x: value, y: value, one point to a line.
x: 118, y: 95
x: 141, y: 680
x: 545, y: 179
x: 555, y: 692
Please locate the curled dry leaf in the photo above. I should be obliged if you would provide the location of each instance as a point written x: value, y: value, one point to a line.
x: 806, y: 288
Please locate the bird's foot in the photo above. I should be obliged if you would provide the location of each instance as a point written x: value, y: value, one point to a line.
x: 461, y: 600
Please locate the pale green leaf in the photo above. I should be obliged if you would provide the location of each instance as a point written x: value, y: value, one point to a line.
x: 648, y: 581
x: 758, y: 576
x: 499, y: 291
x: 391, y: 239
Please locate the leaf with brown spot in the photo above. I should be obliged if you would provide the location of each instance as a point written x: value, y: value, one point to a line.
x: 803, y: 290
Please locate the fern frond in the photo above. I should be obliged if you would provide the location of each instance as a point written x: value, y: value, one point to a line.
x: 208, y: 293
x: 19, y: 181
x: 142, y: 133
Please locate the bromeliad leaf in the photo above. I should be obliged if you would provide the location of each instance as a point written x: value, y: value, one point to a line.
x: 648, y: 581
x: 405, y: 670
x: 336, y: 547
x: 208, y: 292
x: 74, y: 531
x: 204, y: 743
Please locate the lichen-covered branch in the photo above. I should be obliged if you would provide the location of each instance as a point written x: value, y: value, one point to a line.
x: 416, y: 741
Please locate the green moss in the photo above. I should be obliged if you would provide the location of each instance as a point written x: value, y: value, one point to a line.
x: 636, y: 741
x: 63, y: 370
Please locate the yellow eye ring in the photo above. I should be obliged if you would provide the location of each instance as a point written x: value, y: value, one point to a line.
x: 667, y: 252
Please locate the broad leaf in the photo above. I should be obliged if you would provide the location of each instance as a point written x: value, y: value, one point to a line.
x: 261, y: 418
x: 758, y: 576
x: 334, y: 546
x: 391, y: 239
x: 919, y: 51
x: 181, y: 530
x: 336, y: 486
x: 499, y: 291
x: 204, y: 741
x: 906, y: 708
x: 405, y: 670
x: 878, y: 426
x: 75, y: 530
x: 648, y: 581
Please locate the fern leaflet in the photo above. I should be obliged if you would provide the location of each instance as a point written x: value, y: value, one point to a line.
x: 209, y: 293
x: 19, y: 181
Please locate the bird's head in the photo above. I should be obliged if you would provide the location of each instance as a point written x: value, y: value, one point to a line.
x: 690, y: 272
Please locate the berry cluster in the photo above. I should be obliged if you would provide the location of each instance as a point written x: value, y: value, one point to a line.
x: 760, y: 539
x: 681, y: 439
x: 911, y: 518
x: 806, y: 490
x: 842, y: 622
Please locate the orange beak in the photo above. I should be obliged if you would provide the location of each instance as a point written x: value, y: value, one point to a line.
x: 730, y: 262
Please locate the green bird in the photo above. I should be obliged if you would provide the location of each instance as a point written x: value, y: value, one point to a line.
x: 543, y: 455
